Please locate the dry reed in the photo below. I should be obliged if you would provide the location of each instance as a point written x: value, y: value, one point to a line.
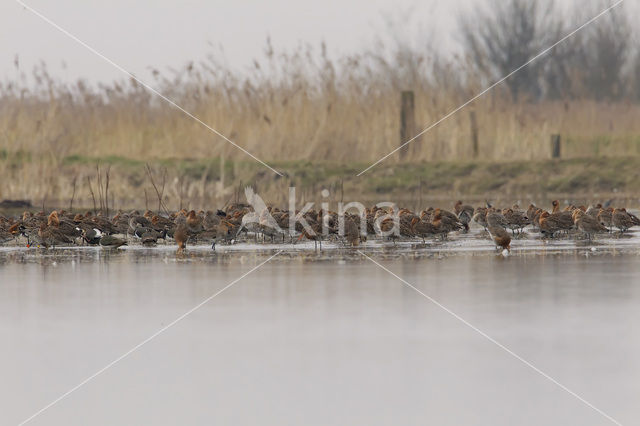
x: 290, y: 107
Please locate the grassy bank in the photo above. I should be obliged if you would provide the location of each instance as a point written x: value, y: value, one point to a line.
x: 200, y: 183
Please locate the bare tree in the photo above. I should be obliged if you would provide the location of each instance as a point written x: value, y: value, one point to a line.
x: 606, y: 54
x: 505, y: 35
x: 635, y: 76
x: 563, y: 73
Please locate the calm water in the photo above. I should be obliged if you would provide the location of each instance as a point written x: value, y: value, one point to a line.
x: 318, y: 339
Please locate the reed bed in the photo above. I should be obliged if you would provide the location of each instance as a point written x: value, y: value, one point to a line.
x: 49, y: 140
x: 349, y: 120
x: 300, y: 106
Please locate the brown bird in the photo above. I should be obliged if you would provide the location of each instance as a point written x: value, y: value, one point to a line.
x: 499, y: 235
x: 593, y: 210
x: 136, y: 221
x: 385, y: 225
x: 480, y: 217
x: 605, y: 216
x: 181, y: 236
x: 224, y: 231
x: 64, y: 226
x: 423, y: 229
x: 496, y: 218
x: 194, y: 222
x: 52, y: 236
x: 465, y: 213
x: 16, y: 229
x: 516, y: 219
x: 427, y: 214
x: 406, y: 218
x: 446, y: 222
x: 5, y: 236
x: 587, y: 223
x: 623, y: 220
x: 150, y: 237
x: 351, y: 231
x: 533, y: 213
x: 158, y: 223
x: 316, y: 231
x: 552, y: 223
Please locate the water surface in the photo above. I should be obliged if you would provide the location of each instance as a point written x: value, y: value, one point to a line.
x: 317, y: 338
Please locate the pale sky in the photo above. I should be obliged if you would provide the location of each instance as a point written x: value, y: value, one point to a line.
x: 169, y: 33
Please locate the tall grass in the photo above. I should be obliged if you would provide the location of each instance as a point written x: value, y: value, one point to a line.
x: 292, y: 106
x: 340, y: 112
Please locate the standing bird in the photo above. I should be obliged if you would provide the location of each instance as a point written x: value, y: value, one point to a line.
x: 423, y: 229
x: 52, y: 236
x: 499, y: 234
x: 555, y: 222
x: 605, y: 216
x: 593, y: 210
x: 351, y: 231
x: 623, y: 220
x: 588, y: 224
x: 316, y: 236
x: 225, y: 231
x: 465, y: 213
x: 181, y: 236
x: 516, y: 219
x: 64, y: 226
x: 194, y: 222
x: 480, y: 217
x: 446, y: 222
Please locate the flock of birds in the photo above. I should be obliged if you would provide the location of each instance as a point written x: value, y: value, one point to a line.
x: 238, y: 221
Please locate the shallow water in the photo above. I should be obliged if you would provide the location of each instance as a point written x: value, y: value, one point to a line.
x: 322, y: 337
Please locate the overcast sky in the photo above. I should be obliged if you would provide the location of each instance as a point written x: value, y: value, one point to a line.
x: 162, y: 33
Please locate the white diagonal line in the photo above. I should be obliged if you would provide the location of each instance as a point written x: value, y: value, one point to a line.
x: 147, y: 86
x: 539, y: 55
x: 495, y: 342
x: 144, y: 342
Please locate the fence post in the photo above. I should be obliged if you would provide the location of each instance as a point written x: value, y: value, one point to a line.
x: 555, y: 146
x: 407, y: 120
x: 474, y: 133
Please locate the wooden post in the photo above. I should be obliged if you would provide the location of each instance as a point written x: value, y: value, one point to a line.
x: 555, y: 146
x: 407, y: 120
x: 474, y: 133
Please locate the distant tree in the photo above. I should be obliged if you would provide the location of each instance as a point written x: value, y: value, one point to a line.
x: 606, y: 52
x: 564, y: 73
x: 500, y: 38
x: 634, y: 77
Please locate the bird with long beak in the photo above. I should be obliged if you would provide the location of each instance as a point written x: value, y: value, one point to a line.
x: 499, y: 234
